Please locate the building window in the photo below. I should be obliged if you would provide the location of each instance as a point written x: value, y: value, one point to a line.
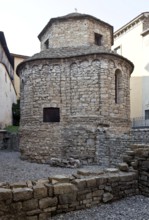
x: 146, y: 114
x: 51, y: 115
x: 118, y: 50
x: 98, y: 39
x: 118, y: 87
x: 46, y: 44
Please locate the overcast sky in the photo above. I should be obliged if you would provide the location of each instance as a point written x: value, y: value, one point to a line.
x: 22, y: 20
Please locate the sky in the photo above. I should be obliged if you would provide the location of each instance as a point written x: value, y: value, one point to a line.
x: 22, y: 20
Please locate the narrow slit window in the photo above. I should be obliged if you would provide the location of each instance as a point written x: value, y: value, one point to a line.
x: 118, y: 87
x: 46, y: 44
x: 51, y: 115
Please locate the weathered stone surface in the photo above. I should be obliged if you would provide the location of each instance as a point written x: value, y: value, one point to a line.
x: 77, y: 78
x: 32, y: 218
x: 40, y: 191
x: 50, y: 189
x: 18, y: 185
x: 30, y: 204
x: 98, y: 193
x: 127, y: 177
x: 17, y: 206
x: 22, y: 194
x: 112, y: 170
x: 34, y: 212
x: 60, y: 179
x: 80, y: 183
x: 91, y: 182
x: 64, y: 188
x: 5, y: 194
x: 67, y: 198
x: 69, y: 163
x: 84, y: 172
x: 48, y: 202
x: 123, y: 167
x: 44, y: 216
x: 107, y: 197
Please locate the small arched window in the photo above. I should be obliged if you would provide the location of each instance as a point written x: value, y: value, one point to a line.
x: 118, y: 87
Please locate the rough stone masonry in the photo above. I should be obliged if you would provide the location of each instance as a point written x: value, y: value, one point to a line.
x: 75, y: 100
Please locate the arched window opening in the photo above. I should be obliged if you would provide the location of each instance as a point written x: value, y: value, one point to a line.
x: 118, y: 87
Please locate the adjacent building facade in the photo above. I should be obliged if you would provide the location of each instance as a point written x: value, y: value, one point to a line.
x: 7, y: 90
x: 132, y: 41
x: 75, y: 94
x: 17, y: 60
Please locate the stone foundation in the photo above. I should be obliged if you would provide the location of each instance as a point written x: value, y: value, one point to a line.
x: 44, y: 198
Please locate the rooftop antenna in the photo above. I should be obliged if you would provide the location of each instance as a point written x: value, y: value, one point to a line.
x: 76, y: 10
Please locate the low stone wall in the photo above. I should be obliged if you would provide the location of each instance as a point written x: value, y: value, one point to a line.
x: 138, y: 158
x: 2, y: 136
x: 139, y: 136
x: 9, y: 141
x: 38, y: 200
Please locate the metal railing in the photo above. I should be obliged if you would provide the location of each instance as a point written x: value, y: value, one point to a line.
x: 140, y: 122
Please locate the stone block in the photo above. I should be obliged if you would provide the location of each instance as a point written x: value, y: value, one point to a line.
x: 59, y: 179
x: 101, y: 180
x: 30, y: 204
x: 125, y: 177
x: 80, y: 183
x: 18, y: 185
x: 44, y: 216
x: 98, y: 193
x: 48, y: 202
x: 64, y: 188
x: 40, y: 191
x: 86, y: 172
x: 112, y: 170
x: 91, y: 182
x: 107, y: 197
x: 123, y: 167
x: 34, y: 212
x: 16, y: 207
x: 32, y: 217
x: 67, y: 198
x: 4, y: 207
x: 113, y: 177
x: 50, y: 209
x: 21, y: 194
x: 5, y: 194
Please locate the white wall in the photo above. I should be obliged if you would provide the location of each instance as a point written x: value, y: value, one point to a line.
x: 145, y: 95
x: 7, y: 97
x: 135, y: 47
x: 131, y: 47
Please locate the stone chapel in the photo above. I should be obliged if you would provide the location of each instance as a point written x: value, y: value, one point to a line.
x: 75, y: 95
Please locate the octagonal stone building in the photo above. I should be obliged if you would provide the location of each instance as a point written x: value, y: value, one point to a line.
x: 75, y: 98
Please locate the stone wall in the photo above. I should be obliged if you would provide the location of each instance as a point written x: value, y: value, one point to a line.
x: 74, y: 31
x: 9, y: 141
x: 138, y: 158
x: 139, y: 136
x: 79, y: 87
x: 38, y: 200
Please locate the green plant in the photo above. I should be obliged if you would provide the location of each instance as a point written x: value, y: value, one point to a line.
x: 12, y: 129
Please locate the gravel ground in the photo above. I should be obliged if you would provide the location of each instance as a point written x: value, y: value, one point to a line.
x: 133, y: 208
x: 13, y: 169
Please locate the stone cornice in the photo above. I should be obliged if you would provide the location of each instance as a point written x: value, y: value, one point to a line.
x: 131, y: 24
